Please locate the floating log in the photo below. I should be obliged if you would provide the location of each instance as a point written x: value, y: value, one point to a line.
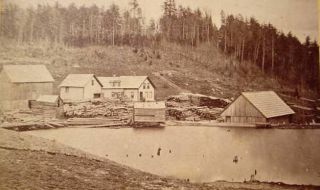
x: 102, y: 125
x: 57, y: 125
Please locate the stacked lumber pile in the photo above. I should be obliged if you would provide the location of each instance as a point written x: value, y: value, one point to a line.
x: 44, y: 109
x: 102, y: 109
x: 29, y: 126
x: 26, y: 120
x: 305, y: 108
x: 194, y: 107
x: 19, y: 116
x: 95, y: 122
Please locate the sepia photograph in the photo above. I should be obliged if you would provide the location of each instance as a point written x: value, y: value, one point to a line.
x: 159, y: 94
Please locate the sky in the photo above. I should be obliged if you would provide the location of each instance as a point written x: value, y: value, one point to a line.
x: 298, y: 16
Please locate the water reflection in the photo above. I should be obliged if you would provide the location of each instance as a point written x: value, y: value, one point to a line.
x: 205, y: 154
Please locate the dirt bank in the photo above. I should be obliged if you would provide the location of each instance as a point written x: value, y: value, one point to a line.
x: 28, y: 162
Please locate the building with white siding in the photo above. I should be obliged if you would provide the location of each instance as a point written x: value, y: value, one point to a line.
x: 131, y: 88
x: 80, y: 87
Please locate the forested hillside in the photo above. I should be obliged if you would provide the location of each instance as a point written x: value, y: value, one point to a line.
x: 241, y: 46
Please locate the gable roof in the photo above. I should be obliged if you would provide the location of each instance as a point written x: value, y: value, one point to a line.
x: 27, y: 73
x: 78, y: 80
x: 48, y: 98
x: 268, y: 103
x: 125, y: 81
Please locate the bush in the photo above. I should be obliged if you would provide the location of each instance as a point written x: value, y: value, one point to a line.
x: 135, y: 50
x: 158, y: 55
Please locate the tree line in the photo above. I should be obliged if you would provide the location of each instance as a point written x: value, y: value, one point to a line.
x: 277, y: 54
x: 72, y: 25
x: 185, y: 26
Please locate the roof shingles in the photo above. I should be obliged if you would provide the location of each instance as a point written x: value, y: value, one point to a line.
x: 77, y: 80
x: 268, y: 103
x: 27, y: 73
x: 125, y: 81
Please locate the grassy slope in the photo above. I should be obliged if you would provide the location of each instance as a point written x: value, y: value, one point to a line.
x: 201, y: 70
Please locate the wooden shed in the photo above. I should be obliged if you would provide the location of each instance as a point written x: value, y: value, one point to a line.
x: 49, y: 100
x: 258, y: 108
x: 149, y: 112
x: 21, y: 83
x: 50, y: 106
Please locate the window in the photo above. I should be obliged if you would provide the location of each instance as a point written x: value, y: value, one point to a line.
x: 132, y: 95
x: 144, y: 86
x: 92, y: 82
x: 115, y: 83
x: 66, y: 90
x: 97, y: 95
x: 148, y: 86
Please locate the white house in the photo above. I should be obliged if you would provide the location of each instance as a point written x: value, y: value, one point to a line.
x: 77, y: 87
x: 132, y: 88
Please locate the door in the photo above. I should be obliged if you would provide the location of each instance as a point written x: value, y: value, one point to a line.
x: 141, y: 96
x: 228, y: 119
x: 34, y: 95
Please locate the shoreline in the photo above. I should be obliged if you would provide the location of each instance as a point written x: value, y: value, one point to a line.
x: 214, y: 123
x: 31, y: 155
x: 169, y: 123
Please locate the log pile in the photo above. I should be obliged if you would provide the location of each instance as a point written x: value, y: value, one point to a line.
x: 95, y: 122
x: 45, y: 109
x: 27, y: 120
x: 29, y: 126
x: 88, y: 114
x: 20, y: 117
x: 194, y: 107
x: 103, y: 109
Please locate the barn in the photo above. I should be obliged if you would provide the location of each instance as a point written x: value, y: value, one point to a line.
x: 20, y: 84
x: 80, y: 87
x: 258, y: 107
x: 131, y: 88
x: 149, y: 112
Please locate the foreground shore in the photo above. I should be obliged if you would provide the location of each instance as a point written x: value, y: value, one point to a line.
x: 29, y: 162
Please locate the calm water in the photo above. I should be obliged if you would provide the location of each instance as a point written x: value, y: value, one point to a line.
x: 205, y: 154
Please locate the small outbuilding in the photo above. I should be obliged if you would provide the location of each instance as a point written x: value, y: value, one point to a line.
x: 149, y: 112
x: 50, y: 106
x: 258, y: 108
x: 21, y: 84
x: 50, y: 100
x: 80, y: 87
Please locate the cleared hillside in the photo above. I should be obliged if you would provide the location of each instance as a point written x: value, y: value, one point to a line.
x: 172, y: 68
